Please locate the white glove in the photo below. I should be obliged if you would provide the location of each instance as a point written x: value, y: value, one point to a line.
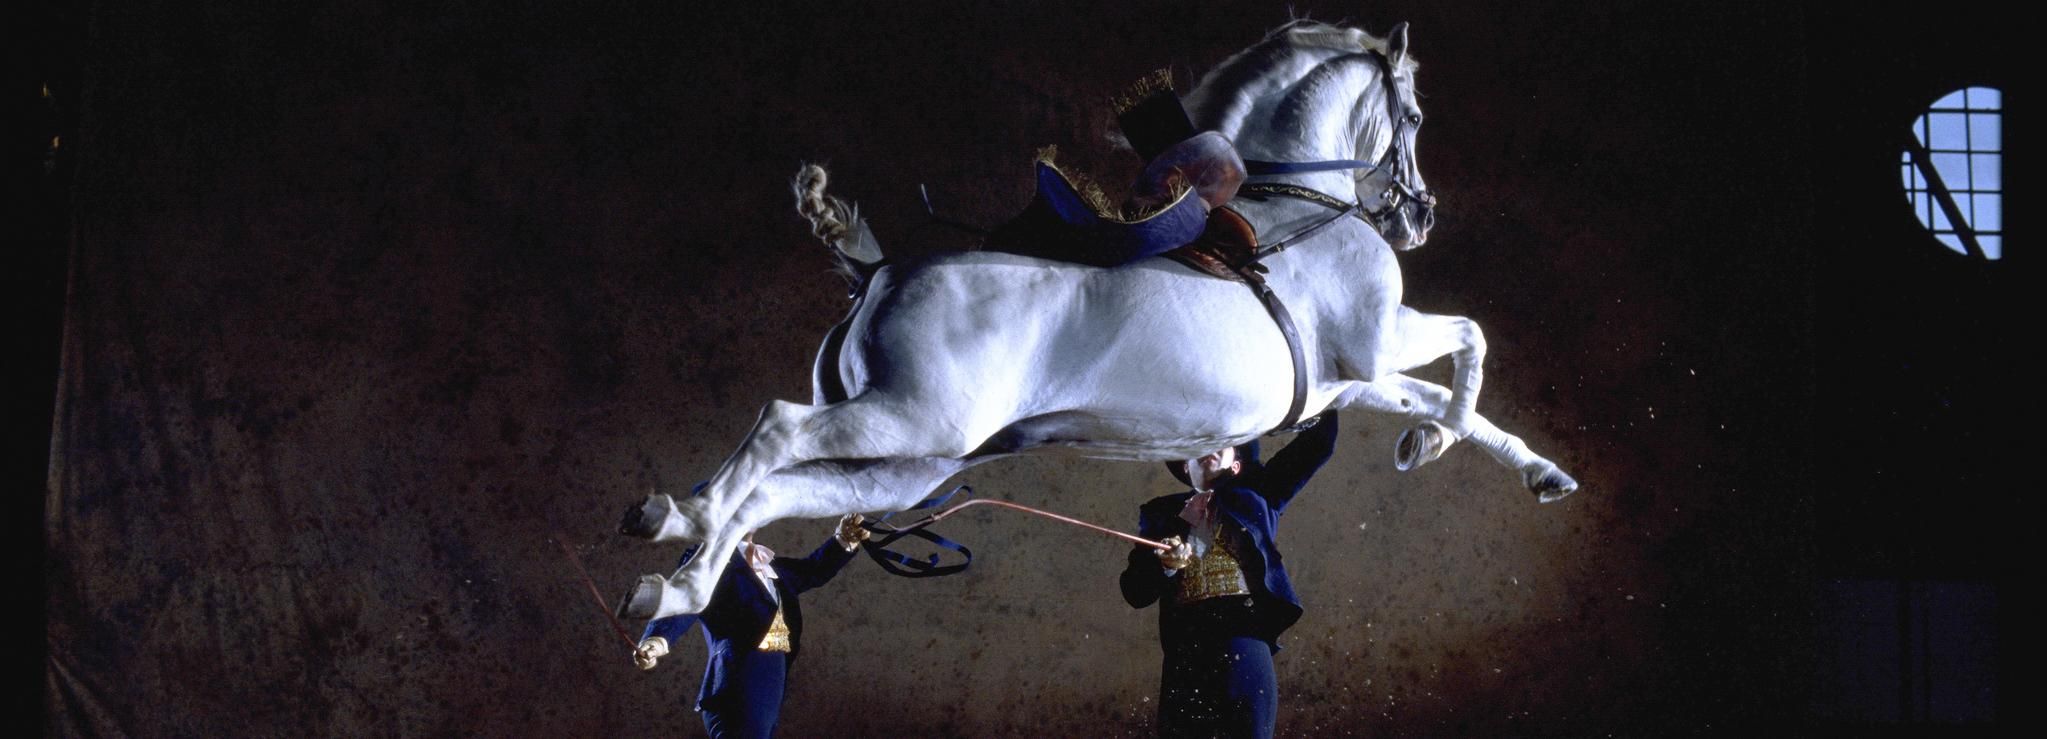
x: 1178, y: 557
x: 850, y: 533
x: 649, y: 652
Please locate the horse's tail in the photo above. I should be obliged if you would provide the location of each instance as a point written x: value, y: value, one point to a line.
x: 838, y: 224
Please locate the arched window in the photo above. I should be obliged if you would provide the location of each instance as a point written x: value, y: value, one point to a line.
x: 1952, y: 170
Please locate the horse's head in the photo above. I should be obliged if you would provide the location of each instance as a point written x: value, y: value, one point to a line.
x: 1313, y: 93
x: 1393, y: 192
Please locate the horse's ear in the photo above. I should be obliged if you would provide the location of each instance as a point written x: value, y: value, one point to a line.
x: 1396, y: 43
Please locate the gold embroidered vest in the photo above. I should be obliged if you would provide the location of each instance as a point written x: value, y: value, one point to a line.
x: 777, y: 639
x: 1213, y: 575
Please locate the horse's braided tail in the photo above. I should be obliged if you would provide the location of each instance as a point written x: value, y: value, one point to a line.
x: 837, y: 223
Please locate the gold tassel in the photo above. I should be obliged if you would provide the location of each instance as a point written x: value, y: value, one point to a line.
x: 1146, y: 86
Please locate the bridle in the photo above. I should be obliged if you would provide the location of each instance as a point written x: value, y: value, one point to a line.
x: 1398, y: 190
x: 1397, y: 194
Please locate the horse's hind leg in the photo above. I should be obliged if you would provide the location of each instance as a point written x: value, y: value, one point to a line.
x: 832, y: 488
x: 866, y: 427
x: 806, y: 490
x: 871, y: 426
x: 818, y: 489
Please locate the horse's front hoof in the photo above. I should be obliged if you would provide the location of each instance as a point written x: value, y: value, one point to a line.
x: 1551, y: 485
x: 645, y: 520
x: 1420, y: 445
x: 644, y: 600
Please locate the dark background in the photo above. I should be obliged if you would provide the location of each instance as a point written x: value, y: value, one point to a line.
x: 356, y: 312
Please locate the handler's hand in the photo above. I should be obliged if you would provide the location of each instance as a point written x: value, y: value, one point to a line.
x: 850, y: 532
x: 649, y: 652
x: 1178, y: 557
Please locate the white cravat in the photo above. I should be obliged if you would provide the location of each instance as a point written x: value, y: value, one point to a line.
x: 761, y: 560
x: 1200, y: 517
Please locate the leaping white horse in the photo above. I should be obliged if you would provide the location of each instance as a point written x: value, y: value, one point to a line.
x: 956, y: 359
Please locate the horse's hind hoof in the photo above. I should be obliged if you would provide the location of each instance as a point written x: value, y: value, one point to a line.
x: 644, y: 600
x: 1551, y: 485
x: 644, y: 520
x: 1420, y: 445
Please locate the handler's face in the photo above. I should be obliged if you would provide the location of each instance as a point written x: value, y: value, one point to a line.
x: 1210, y: 466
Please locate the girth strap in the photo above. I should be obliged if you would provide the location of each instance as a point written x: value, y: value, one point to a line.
x: 1254, y: 277
x: 1229, y: 249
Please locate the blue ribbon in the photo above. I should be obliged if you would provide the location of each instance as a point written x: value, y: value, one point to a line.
x: 902, y: 565
x: 1262, y: 167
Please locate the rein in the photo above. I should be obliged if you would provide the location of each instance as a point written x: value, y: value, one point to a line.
x: 903, y: 565
x: 1294, y: 191
x: 941, y: 515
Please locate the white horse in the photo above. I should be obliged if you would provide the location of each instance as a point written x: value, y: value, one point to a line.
x: 957, y: 359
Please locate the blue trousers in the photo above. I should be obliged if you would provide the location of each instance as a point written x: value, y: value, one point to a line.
x: 1218, y: 686
x: 752, y: 700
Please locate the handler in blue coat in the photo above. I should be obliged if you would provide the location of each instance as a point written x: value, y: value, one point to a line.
x: 753, y: 629
x: 1222, y: 589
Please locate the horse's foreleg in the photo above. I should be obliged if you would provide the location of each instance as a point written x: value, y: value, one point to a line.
x: 1423, y: 338
x: 1406, y: 396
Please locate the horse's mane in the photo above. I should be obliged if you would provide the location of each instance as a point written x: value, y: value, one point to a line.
x: 1225, y: 96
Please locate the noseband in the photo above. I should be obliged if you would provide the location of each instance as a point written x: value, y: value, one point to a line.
x: 1398, y: 191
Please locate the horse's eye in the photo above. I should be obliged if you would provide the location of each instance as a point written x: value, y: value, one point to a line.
x: 1414, y: 119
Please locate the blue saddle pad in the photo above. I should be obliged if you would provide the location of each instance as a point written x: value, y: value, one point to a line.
x: 1121, y: 241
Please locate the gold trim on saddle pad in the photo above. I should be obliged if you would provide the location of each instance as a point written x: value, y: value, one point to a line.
x: 777, y: 639
x: 1175, y: 189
